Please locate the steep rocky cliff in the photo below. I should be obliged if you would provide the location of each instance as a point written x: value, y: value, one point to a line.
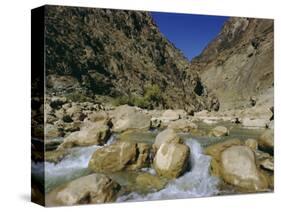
x: 238, y: 64
x: 118, y: 54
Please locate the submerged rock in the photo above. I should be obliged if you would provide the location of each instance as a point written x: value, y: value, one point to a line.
x: 149, y: 182
x: 119, y: 156
x: 266, y: 141
x: 171, y: 160
x: 219, y: 131
x: 55, y: 156
x: 167, y: 136
x: 238, y: 167
x: 94, y: 188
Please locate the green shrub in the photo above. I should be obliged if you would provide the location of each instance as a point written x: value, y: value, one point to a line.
x: 152, y: 97
x: 153, y: 93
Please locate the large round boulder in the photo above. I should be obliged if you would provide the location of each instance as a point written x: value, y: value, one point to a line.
x: 166, y: 136
x: 125, y: 117
x: 266, y: 141
x: 238, y: 167
x: 171, y: 160
x: 215, y: 151
x: 119, y: 156
x: 94, y: 188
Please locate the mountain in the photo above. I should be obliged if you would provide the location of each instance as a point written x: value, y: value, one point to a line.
x: 121, y: 55
x: 238, y: 64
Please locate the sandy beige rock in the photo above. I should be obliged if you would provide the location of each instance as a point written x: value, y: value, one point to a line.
x: 166, y: 136
x: 182, y: 125
x: 96, y: 134
x: 170, y: 115
x: 94, y: 188
x: 125, y: 117
x: 239, y: 169
x: 171, y: 160
x: 119, y: 156
x: 215, y: 152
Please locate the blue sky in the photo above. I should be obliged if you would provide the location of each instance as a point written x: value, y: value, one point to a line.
x: 189, y: 33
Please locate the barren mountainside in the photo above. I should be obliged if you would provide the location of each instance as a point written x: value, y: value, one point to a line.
x: 119, y: 54
x: 238, y: 64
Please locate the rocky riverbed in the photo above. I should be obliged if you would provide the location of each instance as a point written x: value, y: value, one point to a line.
x: 97, y: 154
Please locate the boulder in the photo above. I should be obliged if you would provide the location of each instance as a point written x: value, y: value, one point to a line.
x: 171, y: 160
x: 266, y: 141
x: 219, y: 131
x: 96, y: 134
x: 182, y: 125
x: 125, y: 117
x: 143, y: 157
x: 166, y: 136
x: 119, y: 156
x: 252, y: 143
x: 216, y: 149
x: 215, y: 152
x: 170, y: 115
x: 238, y: 167
x: 94, y: 188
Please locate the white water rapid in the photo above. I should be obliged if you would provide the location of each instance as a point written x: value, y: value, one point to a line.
x: 195, y: 183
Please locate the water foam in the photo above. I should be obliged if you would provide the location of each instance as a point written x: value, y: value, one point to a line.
x: 72, y: 166
x: 196, y: 183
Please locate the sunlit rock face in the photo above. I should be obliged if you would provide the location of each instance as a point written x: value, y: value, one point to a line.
x: 238, y: 64
x: 117, y: 53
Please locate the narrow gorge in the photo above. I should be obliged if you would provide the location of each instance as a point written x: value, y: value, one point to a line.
x: 127, y: 117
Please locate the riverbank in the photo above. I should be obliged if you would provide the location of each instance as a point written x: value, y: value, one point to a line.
x: 135, y: 154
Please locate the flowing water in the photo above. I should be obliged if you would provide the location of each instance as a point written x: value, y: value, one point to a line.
x: 197, y: 182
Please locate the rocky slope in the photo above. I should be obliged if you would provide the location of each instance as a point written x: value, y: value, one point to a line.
x: 238, y: 64
x: 117, y: 54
